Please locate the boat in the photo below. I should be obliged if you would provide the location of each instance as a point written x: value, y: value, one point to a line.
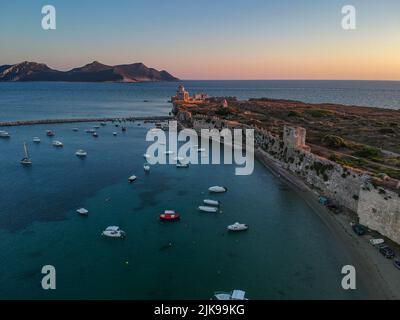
x: 132, y: 178
x: 182, y: 165
x: 208, y: 209
x: 95, y: 134
x: 170, y: 215
x: 83, y: 212
x: 233, y: 295
x: 57, y: 143
x: 238, y: 227
x: 50, y: 133
x: 123, y: 129
x: 4, y: 134
x: 81, y: 153
x: 114, y: 133
x: 146, y: 167
x: 212, y: 202
x: 376, y: 242
x: 75, y: 129
x: 36, y: 140
x: 103, y: 124
x: 96, y: 127
x: 26, y: 161
x: 218, y: 189
x: 113, y: 232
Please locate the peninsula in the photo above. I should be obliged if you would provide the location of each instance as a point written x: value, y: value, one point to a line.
x: 92, y: 72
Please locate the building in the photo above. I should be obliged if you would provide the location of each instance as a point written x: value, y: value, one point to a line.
x: 224, y: 103
x: 182, y: 94
x: 200, y: 96
x: 295, y: 137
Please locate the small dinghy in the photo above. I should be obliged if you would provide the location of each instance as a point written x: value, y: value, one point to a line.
x: 50, y: 133
x: 36, y: 140
x: 4, y: 134
x: 234, y: 295
x: 212, y: 202
x: 218, y: 189
x: 81, y: 153
x: 95, y: 134
x: 208, y: 209
x: 113, y: 232
x: 238, y: 227
x: 58, y: 144
x: 132, y: 178
x: 376, y: 242
x: 170, y: 215
x: 146, y: 167
x: 114, y: 133
x: 83, y: 212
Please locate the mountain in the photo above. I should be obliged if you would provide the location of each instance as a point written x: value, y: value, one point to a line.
x: 92, y: 72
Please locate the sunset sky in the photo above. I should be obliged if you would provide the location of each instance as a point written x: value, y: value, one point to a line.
x: 210, y: 39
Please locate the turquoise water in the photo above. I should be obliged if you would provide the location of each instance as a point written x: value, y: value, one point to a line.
x: 287, y: 253
x: 43, y: 100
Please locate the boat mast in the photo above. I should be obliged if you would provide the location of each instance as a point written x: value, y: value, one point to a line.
x: 26, y: 151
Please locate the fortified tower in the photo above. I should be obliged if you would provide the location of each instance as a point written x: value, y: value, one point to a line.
x: 295, y: 137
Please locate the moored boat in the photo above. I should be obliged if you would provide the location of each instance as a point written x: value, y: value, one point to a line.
x: 26, y: 161
x: 146, y: 167
x: 95, y: 134
x: 57, y: 143
x: 132, y: 178
x: 238, y: 227
x: 4, y: 134
x: 170, y: 215
x: 83, y: 212
x: 50, y: 133
x: 208, y: 209
x: 36, y: 140
x: 212, y: 202
x: 218, y: 189
x: 113, y: 232
x: 81, y: 153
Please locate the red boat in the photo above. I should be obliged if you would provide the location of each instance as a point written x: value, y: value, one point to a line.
x: 170, y: 215
x: 50, y: 133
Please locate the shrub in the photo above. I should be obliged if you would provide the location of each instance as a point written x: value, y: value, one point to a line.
x: 319, y: 113
x: 333, y: 141
x: 368, y: 152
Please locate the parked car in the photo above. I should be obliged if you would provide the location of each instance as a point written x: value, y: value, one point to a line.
x: 396, y: 263
x: 386, y: 251
x: 359, y: 229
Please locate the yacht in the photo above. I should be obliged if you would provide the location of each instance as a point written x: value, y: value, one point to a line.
x: 132, y: 178
x: 212, y: 202
x: 81, y: 153
x: 57, y: 143
x: 83, y: 212
x: 50, y: 133
x: 208, y: 209
x: 26, y: 161
x: 114, y: 133
x: 36, y: 140
x: 170, y: 215
x: 113, y: 232
x: 233, y: 295
x: 4, y: 134
x: 218, y: 189
x: 95, y: 134
x: 238, y: 227
x: 146, y: 167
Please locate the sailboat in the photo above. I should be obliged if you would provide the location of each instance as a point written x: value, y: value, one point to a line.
x: 26, y: 161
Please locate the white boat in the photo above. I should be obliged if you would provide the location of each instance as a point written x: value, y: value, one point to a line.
x: 115, y: 133
x: 208, y: 209
x: 113, y: 232
x: 36, y: 140
x: 81, y: 153
x: 132, y: 178
x: 146, y: 167
x: 376, y: 242
x: 218, y: 189
x: 212, y: 202
x: 4, y: 134
x: 57, y: 143
x: 182, y: 165
x: 26, y: 161
x: 238, y: 227
x: 169, y: 152
x: 83, y: 212
x: 234, y: 295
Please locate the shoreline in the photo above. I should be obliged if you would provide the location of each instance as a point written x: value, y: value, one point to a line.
x: 371, y: 268
x: 77, y: 120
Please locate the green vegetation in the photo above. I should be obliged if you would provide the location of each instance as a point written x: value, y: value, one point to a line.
x: 319, y: 113
x: 371, y: 153
x: 294, y: 114
x: 386, y: 130
x: 334, y: 142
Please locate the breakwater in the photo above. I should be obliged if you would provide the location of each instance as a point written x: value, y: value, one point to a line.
x: 76, y: 120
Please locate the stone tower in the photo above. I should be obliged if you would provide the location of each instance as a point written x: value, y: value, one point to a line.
x: 295, y: 137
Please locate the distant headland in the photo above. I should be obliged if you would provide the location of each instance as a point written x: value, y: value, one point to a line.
x: 92, y: 72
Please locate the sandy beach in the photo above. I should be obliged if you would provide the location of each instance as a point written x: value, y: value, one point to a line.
x: 375, y: 274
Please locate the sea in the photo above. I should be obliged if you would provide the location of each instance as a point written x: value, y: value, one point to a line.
x: 287, y: 253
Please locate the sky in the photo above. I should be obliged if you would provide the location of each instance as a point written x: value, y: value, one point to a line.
x: 210, y: 39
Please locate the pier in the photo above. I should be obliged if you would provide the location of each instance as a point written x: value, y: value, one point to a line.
x: 76, y: 120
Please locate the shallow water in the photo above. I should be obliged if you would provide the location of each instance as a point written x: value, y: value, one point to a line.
x: 287, y: 253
